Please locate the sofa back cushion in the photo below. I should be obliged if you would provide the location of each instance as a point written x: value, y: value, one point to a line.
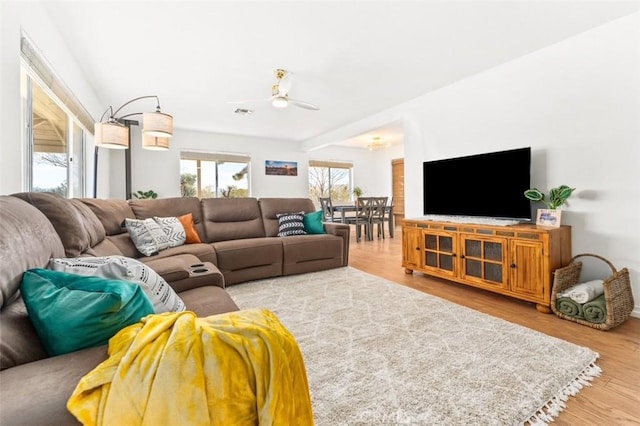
x: 78, y: 228
x: 231, y: 219
x: 170, y: 207
x: 27, y: 240
x: 111, y: 213
x: 272, y: 207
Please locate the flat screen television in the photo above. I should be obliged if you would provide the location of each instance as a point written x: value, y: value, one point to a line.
x: 484, y: 185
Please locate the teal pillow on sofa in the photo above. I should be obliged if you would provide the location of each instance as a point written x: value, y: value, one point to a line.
x: 313, y: 223
x: 72, y: 312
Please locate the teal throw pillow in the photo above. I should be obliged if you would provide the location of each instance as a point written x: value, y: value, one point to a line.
x: 72, y: 312
x: 313, y: 223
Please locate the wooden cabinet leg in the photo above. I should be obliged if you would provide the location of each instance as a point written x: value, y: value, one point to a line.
x: 408, y: 271
x: 543, y: 308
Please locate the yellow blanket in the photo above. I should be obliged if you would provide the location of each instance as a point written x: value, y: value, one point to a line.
x: 239, y: 368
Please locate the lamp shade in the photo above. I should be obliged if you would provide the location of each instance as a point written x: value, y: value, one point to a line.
x: 111, y: 135
x: 157, y: 124
x: 154, y: 143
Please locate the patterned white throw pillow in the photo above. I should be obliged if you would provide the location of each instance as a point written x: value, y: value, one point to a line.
x: 173, y: 229
x: 164, y: 298
x: 290, y: 224
x: 147, y: 235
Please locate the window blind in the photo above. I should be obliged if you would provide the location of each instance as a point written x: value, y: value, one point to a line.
x: 213, y: 156
x: 331, y: 164
x: 41, y: 70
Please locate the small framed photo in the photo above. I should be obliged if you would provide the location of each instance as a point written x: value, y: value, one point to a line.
x: 281, y: 168
x: 546, y: 217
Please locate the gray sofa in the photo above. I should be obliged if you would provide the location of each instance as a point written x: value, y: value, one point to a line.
x: 239, y: 243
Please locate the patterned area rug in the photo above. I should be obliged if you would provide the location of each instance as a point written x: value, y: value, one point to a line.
x: 380, y: 353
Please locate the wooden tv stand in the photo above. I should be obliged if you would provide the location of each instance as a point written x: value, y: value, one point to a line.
x: 514, y: 260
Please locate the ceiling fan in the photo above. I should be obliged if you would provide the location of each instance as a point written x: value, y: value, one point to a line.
x: 280, y: 93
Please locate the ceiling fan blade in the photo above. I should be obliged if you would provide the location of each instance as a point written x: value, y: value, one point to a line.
x: 303, y: 104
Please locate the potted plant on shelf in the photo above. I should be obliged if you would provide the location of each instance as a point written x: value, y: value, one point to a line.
x: 357, y: 192
x: 557, y: 197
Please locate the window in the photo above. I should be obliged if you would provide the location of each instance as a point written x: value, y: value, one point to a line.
x: 211, y: 175
x: 54, y: 135
x: 330, y: 179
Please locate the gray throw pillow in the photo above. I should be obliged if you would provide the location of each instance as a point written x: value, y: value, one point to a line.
x: 163, y: 297
x: 173, y: 229
x: 147, y: 235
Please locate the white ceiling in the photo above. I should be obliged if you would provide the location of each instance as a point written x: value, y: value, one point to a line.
x: 351, y: 58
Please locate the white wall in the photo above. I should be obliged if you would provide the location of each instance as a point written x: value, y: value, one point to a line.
x: 577, y: 104
x: 160, y: 171
x: 33, y: 19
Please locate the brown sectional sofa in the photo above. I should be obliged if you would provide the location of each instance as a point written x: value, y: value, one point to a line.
x: 239, y: 243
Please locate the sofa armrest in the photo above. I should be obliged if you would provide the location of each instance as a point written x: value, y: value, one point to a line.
x: 341, y: 230
x: 185, y: 271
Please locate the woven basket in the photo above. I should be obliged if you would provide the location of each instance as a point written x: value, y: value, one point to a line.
x: 617, y: 292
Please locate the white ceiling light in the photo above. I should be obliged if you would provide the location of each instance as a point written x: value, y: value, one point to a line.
x: 280, y: 102
x: 377, y: 143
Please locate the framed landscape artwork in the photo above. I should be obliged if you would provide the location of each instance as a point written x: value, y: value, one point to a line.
x: 281, y: 168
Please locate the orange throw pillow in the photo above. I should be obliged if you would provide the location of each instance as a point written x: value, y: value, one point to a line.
x: 189, y: 229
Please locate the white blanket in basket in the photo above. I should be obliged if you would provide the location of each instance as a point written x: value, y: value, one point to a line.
x: 584, y: 292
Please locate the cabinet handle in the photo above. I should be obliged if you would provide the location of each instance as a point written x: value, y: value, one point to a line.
x: 513, y: 265
x: 417, y: 248
x: 461, y: 256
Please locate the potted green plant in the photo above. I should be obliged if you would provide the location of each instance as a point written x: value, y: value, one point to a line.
x: 357, y: 191
x: 145, y: 194
x: 557, y: 197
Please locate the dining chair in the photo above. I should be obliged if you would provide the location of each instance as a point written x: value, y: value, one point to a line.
x: 328, y: 213
x: 362, y: 218
x: 378, y: 216
x: 389, y: 219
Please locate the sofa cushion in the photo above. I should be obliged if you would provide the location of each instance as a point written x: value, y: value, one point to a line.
x: 27, y: 240
x: 176, y: 206
x: 313, y: 223
x: 308, y: 253
x: 204, y: 253
x: 191, y: 234
x: 271, y: 207
x: 147, y: 235
x: 72, y: 312
x: 208, y: 300
x: 249, y: 259
x: 92, y: 225
x: 242, y: 254
x: 19, y: 342
x: 173, y: 229
x: 37, y: 393
x: 232, y: 219
x: 65, y: 218
x: 290, y: 224
x: 160, y: 293
x: 111, y: 213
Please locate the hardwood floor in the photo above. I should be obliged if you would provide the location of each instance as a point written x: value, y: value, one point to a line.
x: 613, y: 398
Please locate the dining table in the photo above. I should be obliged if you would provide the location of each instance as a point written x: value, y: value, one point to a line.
x: 343, y: 209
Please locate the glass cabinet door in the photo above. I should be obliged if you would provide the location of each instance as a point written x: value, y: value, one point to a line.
x: 484, y: 259
x: 439, y: 251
